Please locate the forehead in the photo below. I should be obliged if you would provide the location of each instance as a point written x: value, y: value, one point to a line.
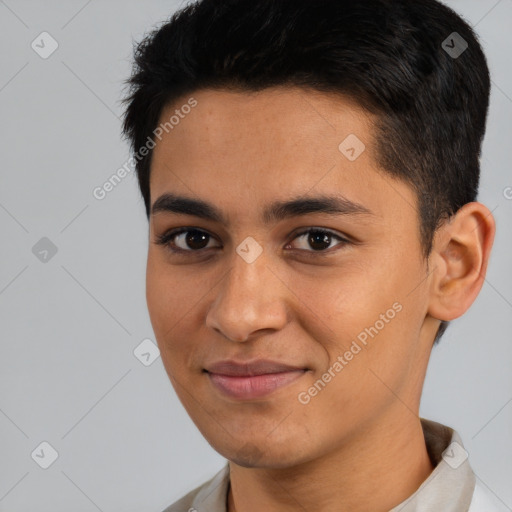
x: 274, y: 124
x: 247, y: 147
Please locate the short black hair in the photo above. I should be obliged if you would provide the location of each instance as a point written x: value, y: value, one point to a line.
x: 392, y: 57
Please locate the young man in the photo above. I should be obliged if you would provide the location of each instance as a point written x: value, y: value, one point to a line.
x: 309, y: 170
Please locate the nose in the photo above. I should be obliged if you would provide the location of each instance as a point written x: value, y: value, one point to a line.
x: 249, y: 299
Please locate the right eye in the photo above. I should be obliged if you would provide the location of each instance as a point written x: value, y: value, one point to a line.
x: 185, y: 240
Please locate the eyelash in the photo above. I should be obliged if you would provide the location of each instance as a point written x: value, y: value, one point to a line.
x: 167, y: 237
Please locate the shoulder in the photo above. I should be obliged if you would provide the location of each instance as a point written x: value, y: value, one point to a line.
x: 184, y: 504
x: 485, y: 501
x: 209, y: 496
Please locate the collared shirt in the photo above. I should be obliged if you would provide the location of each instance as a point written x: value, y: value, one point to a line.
x: 451, y: 487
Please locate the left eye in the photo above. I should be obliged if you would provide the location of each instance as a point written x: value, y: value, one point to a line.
x: 318, y: 239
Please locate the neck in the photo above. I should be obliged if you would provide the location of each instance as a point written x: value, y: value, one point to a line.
x: 377, y: 470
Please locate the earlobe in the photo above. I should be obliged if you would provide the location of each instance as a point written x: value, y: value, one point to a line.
x: 459, y: 259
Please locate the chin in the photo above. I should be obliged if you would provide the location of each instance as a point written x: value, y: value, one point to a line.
x: 260, y: 455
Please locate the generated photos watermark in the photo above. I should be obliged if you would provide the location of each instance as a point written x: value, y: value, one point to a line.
x: 100, y: 192
x: 343, y: 360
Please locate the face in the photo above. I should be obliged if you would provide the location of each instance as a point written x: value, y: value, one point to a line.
x: 275, y: 240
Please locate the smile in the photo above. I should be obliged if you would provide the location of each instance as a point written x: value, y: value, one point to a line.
x: 253, y: 386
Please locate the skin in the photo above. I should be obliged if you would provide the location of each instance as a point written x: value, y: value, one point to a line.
x: 358, y: 444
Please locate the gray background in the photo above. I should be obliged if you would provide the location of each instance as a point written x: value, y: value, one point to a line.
x: 70, y: 324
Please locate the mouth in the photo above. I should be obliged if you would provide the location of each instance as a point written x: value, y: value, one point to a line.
x: 245, y: 381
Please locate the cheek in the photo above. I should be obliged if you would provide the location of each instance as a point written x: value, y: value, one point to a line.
x: 168, y: 293
x: 168, y: 301
x: 176, y: 299
x: 349, y: 299
x: 158, y: 297
x: 373, y: 318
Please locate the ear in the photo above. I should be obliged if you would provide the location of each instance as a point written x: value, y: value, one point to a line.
x: 460, y: 254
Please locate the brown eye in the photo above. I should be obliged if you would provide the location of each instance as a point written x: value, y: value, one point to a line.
x: 186, y: 240
x: 194, y: 239
x: 318, y: 240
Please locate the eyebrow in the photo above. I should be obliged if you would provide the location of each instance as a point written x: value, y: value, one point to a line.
x: 276, y: 211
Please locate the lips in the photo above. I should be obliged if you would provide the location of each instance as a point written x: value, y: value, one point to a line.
x: 254, y: 379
